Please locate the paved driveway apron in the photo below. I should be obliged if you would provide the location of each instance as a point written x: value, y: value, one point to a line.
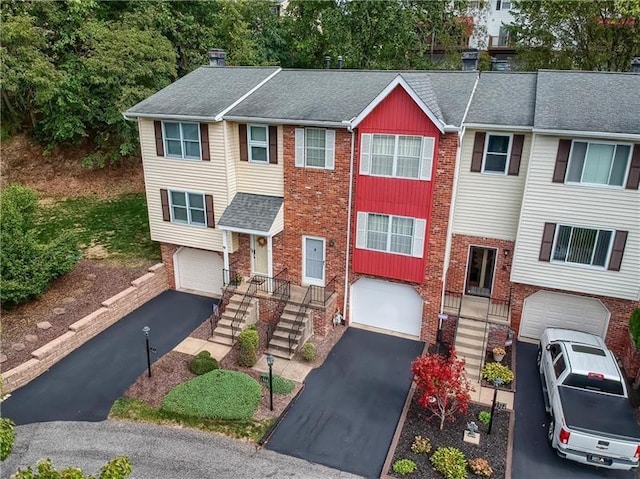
x: 84, y: 385
x: 348, y: 411
x: 532, y: 456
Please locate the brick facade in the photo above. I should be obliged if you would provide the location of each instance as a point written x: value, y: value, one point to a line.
x: 459, y: 258
x: 620, y: 310
x: 167, y: 250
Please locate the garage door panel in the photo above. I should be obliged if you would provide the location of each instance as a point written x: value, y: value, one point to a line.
x: 386, y: 305
x: 199, y: 270
x: 546, y: 309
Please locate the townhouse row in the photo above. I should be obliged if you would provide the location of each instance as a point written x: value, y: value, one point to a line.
x: 404, y: 194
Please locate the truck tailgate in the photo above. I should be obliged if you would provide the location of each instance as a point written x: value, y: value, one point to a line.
x: 609, y: 419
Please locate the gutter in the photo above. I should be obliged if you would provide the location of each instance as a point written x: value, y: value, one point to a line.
x: 349, y: 212
x: 589, y: 134
x: 157, y: 116
x: 287, y: 121
x: 491, y: 126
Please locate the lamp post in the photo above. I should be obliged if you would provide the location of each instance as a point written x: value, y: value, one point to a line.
x: 270, y: 364
x: 497, y: 382
x: 146, y: 330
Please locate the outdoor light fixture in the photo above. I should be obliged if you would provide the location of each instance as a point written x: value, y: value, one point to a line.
x: 270, y: 361
x: 146, y: 331
x: 506, y: 253
x: 497, y: 382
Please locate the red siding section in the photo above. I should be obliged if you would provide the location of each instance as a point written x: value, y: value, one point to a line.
x: 396, y: 114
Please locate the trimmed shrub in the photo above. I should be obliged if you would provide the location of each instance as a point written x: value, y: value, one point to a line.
x: 421, y: 445
x: 450, y: 462
x: 493, y: 371
x: 220, y: 394
x: 309, y: 352
x: 480, y: 467
x: 280, y: 385
x: 248, y: 341
x: 634, y: 326
x: 7, y: 437
x: 202, y: 363
x: 404, y: 466
x: 117, y: 468
x: 484, y: 417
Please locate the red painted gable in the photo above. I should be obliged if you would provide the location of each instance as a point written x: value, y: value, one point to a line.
x: 396, y: 114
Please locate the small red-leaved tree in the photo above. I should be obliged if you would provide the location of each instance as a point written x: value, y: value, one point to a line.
x: 442, y: 385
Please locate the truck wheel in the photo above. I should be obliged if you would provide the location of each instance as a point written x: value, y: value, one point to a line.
x: 552, y: 427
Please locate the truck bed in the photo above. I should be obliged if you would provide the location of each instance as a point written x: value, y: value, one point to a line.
x: 602, y: 413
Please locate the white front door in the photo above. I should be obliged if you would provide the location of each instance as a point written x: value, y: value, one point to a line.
x: 260, y: 255
x: 313, y: 257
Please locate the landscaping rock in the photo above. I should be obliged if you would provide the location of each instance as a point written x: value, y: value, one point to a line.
x: 44, y: 325
x: 18, y: 346
x: 68, y: 300
x: 3, y: 358
x: 59, y: 311
x: 31, y: 338
x: 91, y: 276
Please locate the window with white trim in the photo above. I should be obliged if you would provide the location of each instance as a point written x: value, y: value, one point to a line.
x: 315, y: 148
x: 258, y: 144
x: 496, y: 154
x: 391, y: 234
x: 181, y: 140
x: 187, y: 208
x: 598, y: 163
x: 398, y: 156
x: 586, y: 246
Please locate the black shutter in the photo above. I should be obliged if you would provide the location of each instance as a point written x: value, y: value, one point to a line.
x: 157, y: 125
x: 478, y: 151
x: 562, y: 160
x: 208, y: 202
x: 164, y: 201
x: 516, y: 155
x: 273, y: 145
x: 619, y: 242
x: 547, y: 242
x: 633, y: 180
x: 244, y: 152
x: 204, y: 141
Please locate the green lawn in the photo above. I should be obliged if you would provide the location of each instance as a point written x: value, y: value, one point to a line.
x: 119, y: 224
x: 134, y: 409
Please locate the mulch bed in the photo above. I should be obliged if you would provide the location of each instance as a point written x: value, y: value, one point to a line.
x: 492, y: 447
x: 508, y: 362
x: 79, y: 293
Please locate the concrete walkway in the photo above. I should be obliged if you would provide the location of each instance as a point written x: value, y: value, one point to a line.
x: 157, y: 452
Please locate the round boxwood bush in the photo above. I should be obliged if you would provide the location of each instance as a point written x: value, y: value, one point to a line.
x: 248, y: 341
x: 308, y: 352
x: 404, y: 466
x: 219, y: 394
x: 280, y: 385
x: 202, y: 363
x: 450, y: 462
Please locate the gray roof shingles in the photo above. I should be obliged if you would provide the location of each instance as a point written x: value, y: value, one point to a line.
x: 588, y: 101
x: 251, y: 212
x: 506, y: 99
x: 205, y: 92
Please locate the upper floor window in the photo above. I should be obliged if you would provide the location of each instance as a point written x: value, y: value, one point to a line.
x: 582, y: 245
x: 258, y: 144
x: 391, y: 234
x: 598, y: 163
x: 399, y: 156
x: 496, y: 155
x: 503, y: 4
x: 187, y: 208
x: 181, y: 140
x: 315, y: 148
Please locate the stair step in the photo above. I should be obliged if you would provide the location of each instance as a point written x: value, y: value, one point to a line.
x: 475, y: 343
x: 468, y: 353
x: 471, y: 325
x: 221, y: 340
x: 470, y: 334
x: 284, y: 334
x: 281, y: 353
x: 283, y: 344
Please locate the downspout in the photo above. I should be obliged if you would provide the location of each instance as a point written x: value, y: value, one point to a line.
x: 454, y: 193
x: 348, y: 255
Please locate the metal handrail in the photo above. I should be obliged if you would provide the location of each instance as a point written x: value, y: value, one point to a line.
x: 281, y: 292
x: 485, y: 339
x: 321, y: 294
x: 230, y: 275
x: 302, y: 312
x: 242, y: 309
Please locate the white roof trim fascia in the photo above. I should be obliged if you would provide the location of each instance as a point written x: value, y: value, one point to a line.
x: 159, y: 116
x: 242, y: 230
x: 588, y: 134
x: 451, y: 129
x: 489, y: 126
x: 244, y: 97
x: 286, y: 121
x: 398, y: 80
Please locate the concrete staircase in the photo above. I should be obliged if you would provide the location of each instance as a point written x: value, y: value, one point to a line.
x: 279, y: 344
x: 223, y: 333
x: 470, y: 342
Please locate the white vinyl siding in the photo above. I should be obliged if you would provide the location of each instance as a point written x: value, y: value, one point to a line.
x: 575, y: 205
x: 255, y: 177
x: 397, y: 156
x: 597, y: 163
x: 390, y: 234
x: 209, y: 177
x: 496, y: 199
x: 181, y: 140
x: 315, y: 148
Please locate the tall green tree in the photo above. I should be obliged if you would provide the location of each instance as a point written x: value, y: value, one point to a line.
x: 593, y: 35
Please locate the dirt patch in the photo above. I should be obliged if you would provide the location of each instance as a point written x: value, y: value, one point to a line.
x: 68, y: 299
x: 492, y: 447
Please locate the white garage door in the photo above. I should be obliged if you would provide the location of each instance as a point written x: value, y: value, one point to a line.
x: 386, y: 305
x: 545, y: 309
x: 199, y: 270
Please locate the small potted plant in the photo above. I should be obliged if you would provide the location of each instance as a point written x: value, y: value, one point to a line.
x: 498, y: 354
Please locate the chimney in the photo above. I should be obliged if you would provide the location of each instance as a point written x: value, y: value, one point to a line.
x: 470, y: 60
x: 216, y: 57
x: 327, y: 62
x: 340, y: 62
x: 635, y: 65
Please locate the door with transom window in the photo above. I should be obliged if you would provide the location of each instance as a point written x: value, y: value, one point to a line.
x: 313, y: 260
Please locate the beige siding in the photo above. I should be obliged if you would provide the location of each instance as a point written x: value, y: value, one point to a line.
x: 598, y: 207
x: 256, y: 178
x: 488, y: 205
x: 232, y: 158
x: 207, y: 177
x: 278, y: 223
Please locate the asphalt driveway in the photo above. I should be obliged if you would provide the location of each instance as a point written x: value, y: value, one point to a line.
x: 348, y: 411
x: 532, y: 456
x: 84, y: 385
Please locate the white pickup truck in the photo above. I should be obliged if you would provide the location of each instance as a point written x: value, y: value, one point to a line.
x: 592, y: 420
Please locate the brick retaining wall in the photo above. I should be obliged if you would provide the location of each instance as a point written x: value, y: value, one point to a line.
x: 113, y: 309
